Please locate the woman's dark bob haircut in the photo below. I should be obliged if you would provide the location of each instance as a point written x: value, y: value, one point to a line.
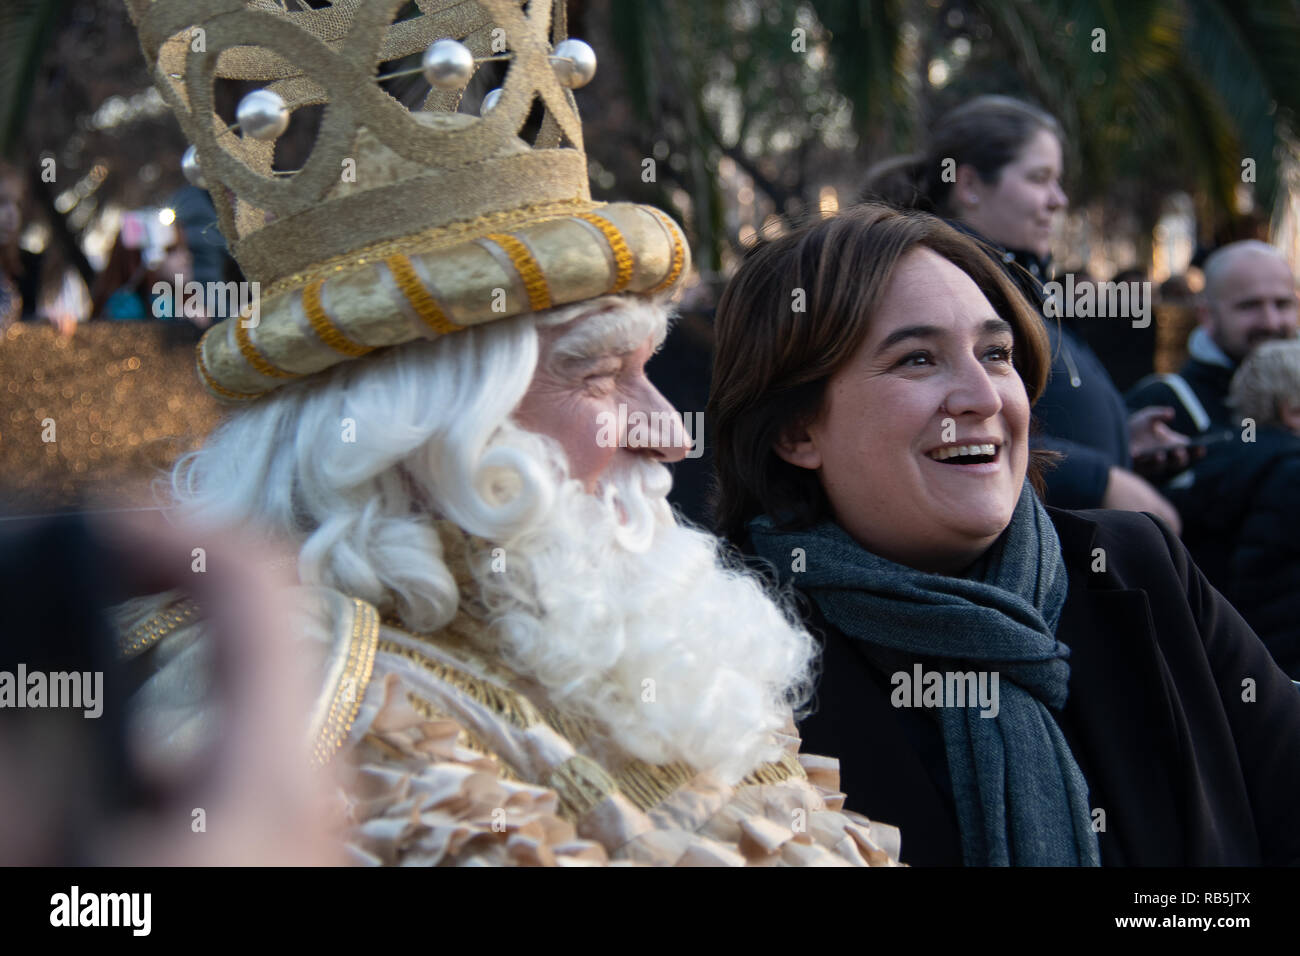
x: 793, y: 315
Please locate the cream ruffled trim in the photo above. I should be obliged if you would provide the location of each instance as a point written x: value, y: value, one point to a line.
x: 428, y: 793
x: 423, y: 799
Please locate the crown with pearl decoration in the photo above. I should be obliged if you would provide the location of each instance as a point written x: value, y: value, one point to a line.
x: 403, y: 224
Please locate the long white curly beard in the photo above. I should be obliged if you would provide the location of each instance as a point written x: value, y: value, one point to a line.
x: 626, y: 617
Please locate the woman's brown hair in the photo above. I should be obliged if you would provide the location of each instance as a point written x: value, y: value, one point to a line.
x: 987, y: 132
x: 793, y: 315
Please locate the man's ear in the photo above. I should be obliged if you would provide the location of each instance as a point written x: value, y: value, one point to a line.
x: 796, y: 445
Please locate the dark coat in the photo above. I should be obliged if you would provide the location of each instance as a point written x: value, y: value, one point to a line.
x: 1186, y: 771
x: 1208, y: 382
x: 1243, y: 528
x: 1083, y: 416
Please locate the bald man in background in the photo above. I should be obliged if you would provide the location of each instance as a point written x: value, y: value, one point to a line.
x: 1249, y: 299
x: 1229, y: 497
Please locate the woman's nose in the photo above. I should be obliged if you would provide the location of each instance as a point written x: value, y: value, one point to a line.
x: 973, y: 392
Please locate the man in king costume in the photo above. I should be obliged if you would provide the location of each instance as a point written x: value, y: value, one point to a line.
x: 521, y: 657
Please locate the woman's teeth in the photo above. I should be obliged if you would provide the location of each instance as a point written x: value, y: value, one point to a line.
x: 964, y: 451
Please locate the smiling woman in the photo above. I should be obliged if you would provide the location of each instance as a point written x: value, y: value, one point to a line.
x: 873, y: 381
x: 951, y: 456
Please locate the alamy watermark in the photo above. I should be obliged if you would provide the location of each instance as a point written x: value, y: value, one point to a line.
x: 75, y: 908
x: 215, y: 300
x: 922, y: 688
x: 638, y: 429
x: 78, y: 690
x: 1101, y: 300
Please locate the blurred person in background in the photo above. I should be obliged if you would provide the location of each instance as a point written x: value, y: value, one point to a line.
x: 146, y: 252
x: 1127, y: 353
x: 1249, y: 299
x: 993, y: 169
x: 1245, y: 529
x: 197, y: 219
x: 31, y: 286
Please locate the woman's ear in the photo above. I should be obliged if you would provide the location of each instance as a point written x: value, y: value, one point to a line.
x: 797, y: 446
x: 968, y: 186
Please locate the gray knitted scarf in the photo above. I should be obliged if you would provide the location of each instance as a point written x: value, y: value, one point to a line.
x: 1020, y: 796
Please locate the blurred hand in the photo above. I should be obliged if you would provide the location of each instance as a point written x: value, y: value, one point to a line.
x: 263, y: 803
x: 1150, y: 437
x: 1126, y: 491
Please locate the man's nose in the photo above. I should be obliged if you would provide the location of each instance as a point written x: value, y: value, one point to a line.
x: 655, y: 427
x: 1279, y: 319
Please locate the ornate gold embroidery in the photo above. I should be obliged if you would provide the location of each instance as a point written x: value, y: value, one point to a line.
x: 148, y: 633
x: 514, y: 707
x: 648, y: 785
x: 645, y: 785
x: 785, y: 768
x: 581, y: 784
x: 352, y: 685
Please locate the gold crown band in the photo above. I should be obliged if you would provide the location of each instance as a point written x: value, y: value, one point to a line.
x: 617, y: 244
x: 253, y: 357
x: 539, y: 294
x: 679, y: 250
x: 213, y: 385
x: 421, y: 300
x: 326, y: 330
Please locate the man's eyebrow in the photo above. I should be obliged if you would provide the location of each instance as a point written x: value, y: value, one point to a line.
x: 607, y: 334
x: 988, y: 326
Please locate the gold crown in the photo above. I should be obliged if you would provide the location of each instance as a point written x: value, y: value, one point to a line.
x: 401, y: 224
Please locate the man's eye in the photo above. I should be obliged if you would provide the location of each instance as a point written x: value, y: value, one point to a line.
x: 603, y: 380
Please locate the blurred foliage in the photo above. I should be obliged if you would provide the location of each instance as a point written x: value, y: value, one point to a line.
x: 1183, y: 92
x: 796, y: 94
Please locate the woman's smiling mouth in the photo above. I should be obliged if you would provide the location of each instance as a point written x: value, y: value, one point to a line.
x: 980, y: 457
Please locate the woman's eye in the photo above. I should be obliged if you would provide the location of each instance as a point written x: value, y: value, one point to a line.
x: 999, y: 353
x: 916, y: 359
